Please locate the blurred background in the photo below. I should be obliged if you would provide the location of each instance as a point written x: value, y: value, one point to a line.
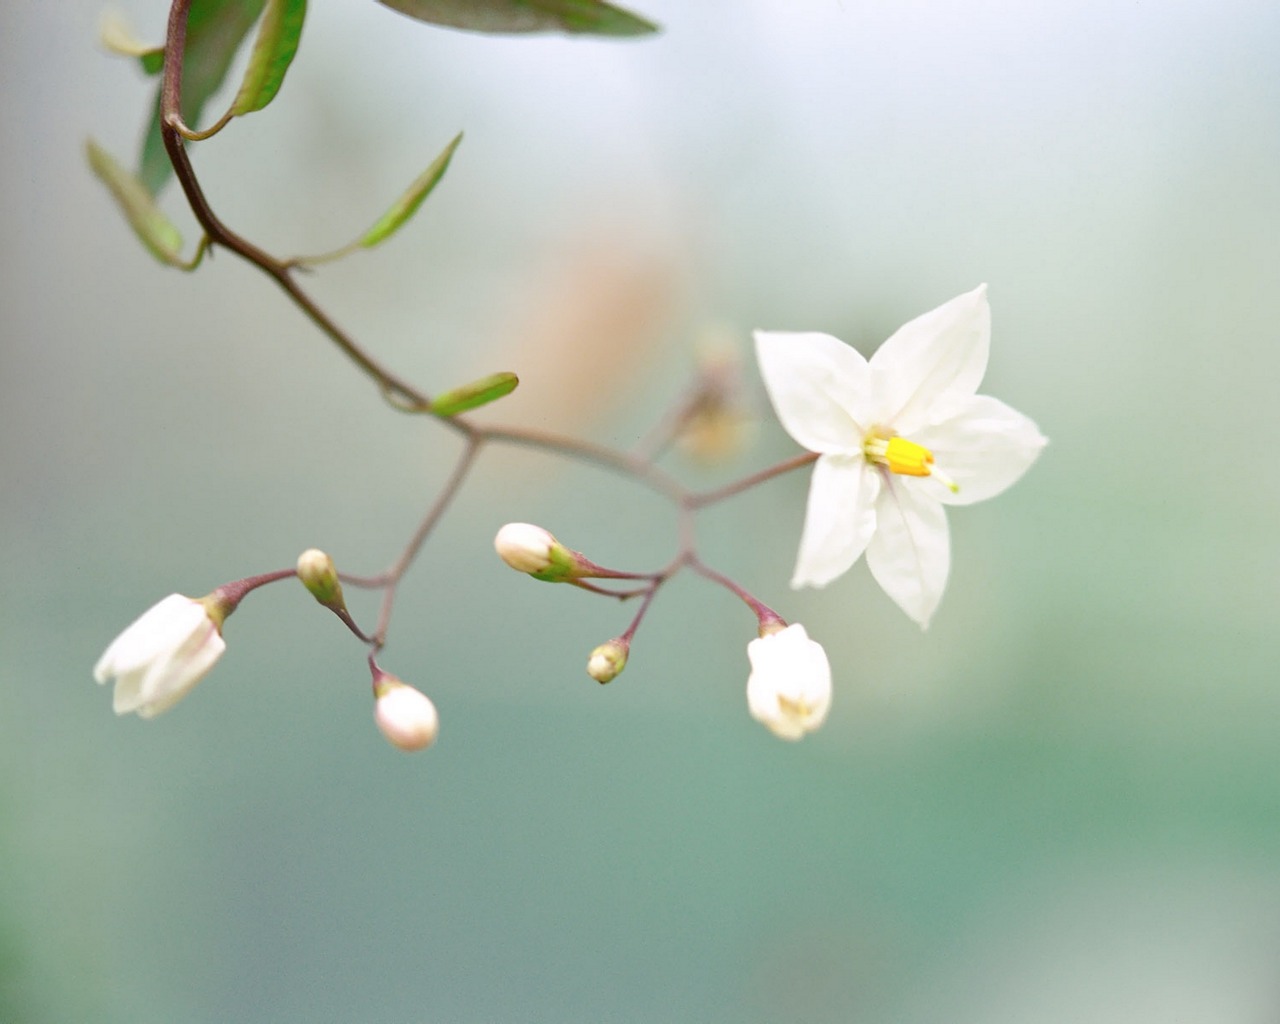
x: 1061, y: 803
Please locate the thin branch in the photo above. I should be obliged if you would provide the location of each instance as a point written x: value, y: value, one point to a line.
x: 410, y: 552
x: 219, y: 234
x: 588, y: 451
x: 697, y: 501
x: 762, y: 610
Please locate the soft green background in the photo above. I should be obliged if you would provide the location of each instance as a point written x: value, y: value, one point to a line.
x: 1062, y: 803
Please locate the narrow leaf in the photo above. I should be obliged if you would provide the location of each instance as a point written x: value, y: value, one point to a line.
x: 152, y: 61
x: 273, y: 51
x: 473, y: 395
x: 215, y: 30
x: 154, y: 229
x: 405, y: 207
x: 118, y: 37
x: 589, y: 16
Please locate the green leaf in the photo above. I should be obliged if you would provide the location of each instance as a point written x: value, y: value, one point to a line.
x: 215, y: 30
x: 473, y: 395
x: 118, y: 37
x: 405, y: 207
x: 273, y: 51
x: 152, y: 61
x: 591, y: 16
x: 154, y: 229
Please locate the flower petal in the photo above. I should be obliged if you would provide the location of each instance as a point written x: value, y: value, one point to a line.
x: 172, y: 677
x: 984, y: 446
x: 910, y: 554
x: 166, y: 624
x: 815, y: 382
x: 126, y: 698
x: 839, y: 520
x: 943, y: 351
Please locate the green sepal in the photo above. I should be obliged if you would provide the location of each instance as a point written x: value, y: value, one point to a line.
x: 273, y: 52
x: 563, y: 568
x: 594, y: 17
x: 473, y: 395
x: 149, y: 223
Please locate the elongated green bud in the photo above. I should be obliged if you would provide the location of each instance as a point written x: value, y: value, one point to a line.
x: 320, y: 576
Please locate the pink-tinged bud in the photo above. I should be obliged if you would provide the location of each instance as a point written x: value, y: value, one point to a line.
x: 406, y: 716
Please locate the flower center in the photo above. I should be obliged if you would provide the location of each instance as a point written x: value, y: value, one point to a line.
x: 795, y: 708
x: 904, y: 457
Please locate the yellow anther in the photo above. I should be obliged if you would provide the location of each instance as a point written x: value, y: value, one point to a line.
x: 905, y: 458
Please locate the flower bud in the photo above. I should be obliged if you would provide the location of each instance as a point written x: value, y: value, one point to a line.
x: 406, y: 716
x: 608, y: 660
x: 789, y: 689
x: 320, y: 576
x: 158, y: 659
x: 531, y: 549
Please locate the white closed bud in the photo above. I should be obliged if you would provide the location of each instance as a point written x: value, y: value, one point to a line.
x: 406, y: 716
x: 608, y: 660
x: 533, y: 550
x: 789, y: 689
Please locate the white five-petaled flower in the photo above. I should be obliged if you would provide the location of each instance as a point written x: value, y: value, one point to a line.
x: 789, y: 688
x: 159, y: 658
x: 899, y: 436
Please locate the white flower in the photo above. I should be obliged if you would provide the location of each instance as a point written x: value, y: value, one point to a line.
x: 789, y: 688
x: 899, y: 436
x: 154, y: 662
x: 406, y: 716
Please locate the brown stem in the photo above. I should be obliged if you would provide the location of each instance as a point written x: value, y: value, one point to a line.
x: 762, y: 611
x: 219, y: 234
x: 640, y: 613
x: 588, y: 451
x: 697, y: 501
x: 438, y: 507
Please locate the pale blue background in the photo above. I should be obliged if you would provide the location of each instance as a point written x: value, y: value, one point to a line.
x: 1062, y: 803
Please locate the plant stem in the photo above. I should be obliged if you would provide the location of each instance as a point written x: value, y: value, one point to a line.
x: 705, y: 498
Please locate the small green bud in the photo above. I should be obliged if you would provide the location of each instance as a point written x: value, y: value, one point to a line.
x: 473, y: 395
x: 320, y: 576
x: 608, y: 660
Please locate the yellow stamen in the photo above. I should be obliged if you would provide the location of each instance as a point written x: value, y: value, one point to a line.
x: 905, y: 458
x: 796, y: 707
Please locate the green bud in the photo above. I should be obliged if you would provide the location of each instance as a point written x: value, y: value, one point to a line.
x: 320, y: 576
x: 608, y: 660
x: 477, y: 393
